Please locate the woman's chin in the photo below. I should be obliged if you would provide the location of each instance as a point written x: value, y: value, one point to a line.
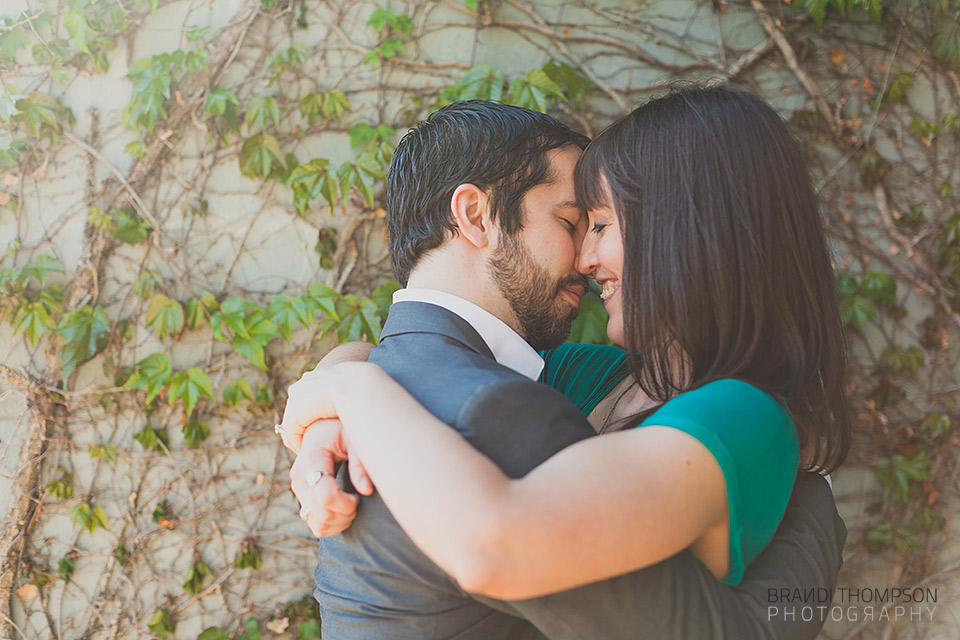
x: 615, y: 333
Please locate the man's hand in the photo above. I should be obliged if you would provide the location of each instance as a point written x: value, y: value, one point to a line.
x: 324, y: 507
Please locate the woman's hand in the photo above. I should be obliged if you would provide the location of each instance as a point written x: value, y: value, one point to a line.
x: 314, y: 396
x: 325, y: 508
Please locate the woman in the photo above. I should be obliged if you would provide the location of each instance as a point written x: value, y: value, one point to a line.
x: 703, y: 232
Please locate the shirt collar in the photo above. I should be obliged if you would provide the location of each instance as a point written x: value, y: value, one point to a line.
x: 508, y: 348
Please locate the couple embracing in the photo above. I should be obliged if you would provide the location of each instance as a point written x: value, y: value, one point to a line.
x: 718, y: 417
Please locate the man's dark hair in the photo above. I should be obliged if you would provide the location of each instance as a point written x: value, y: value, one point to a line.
x: 725, y: 256
x: 496, y: 147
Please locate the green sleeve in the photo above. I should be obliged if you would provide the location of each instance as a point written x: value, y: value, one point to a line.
x: 584, y: 373
x: 755, y: 443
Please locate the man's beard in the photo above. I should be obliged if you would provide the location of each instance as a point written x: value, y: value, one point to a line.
x: 542, y: 312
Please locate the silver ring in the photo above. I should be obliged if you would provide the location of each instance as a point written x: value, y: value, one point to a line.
x: 314, y: 477
x: 304, y: 513
x: 278, y: 429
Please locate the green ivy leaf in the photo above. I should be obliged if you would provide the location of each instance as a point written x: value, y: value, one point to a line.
x: 286, y: 312
x: 33, y: 320
x: 146, y: 283
x: 219, y: 101
x: 249, y: 556
x: 311, y: 180
x: 40, y: 115
x: 896, y: 91
x: 309, y: 630
x: 213, y: 633
x: 84, y: 332
x: 198, y: 311
x: 382, y: 296
x: 78, y: 29
x: 164, y: 316
x: 576, y: 87
x: 152, y: 439
x: 481, y: 82
x: 361, y: 174
x: 362, y: 134
x: 41, y: 267
x: 260, y: 155
x: 896, y: 359
x: 857, y: 312
x: 879, y: 536
x: 161, y: 623
x: 189, y: 386
x: 88, y: 517
x: 153, y: 373
x: 195, y: 577
x: 122, y: 555
x: 946, y: 40
x: 311, y: 107
x: 937, y: 424
x: 265, y: 398
x: 62, y: 487
x: 333, y: 105
x: 195, y: 432
x: 260, y: 111
x: 236, y: 391
x: 151, y: 86
x: 259, y: 330
x: 163, y: 515
x: 231, y: 315
x: 880, y: 288
x: 106, y: 452
x: 533, y: 91
x: 65, y: 568
x: 380, y: 18
x: 251, y: 630
x: 129, y: 227
x: 12, y: 39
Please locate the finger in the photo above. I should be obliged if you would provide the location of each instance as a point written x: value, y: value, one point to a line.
x: 358, y: 475
x: 330, y: 527
x: 340, y: 502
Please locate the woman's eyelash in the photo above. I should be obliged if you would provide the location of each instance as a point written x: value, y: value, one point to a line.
x: 597, y: 227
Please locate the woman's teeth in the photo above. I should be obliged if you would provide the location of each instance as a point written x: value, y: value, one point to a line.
x: 609, y: 288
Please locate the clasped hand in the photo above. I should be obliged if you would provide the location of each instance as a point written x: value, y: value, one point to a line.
x: 311, y: 429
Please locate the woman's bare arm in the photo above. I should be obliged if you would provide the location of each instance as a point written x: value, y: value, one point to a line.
x: 602, y: 507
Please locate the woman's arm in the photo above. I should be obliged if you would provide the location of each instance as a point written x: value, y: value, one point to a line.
x: 600, y: 508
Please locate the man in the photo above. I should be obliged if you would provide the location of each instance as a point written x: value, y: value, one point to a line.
x: 484, y: 229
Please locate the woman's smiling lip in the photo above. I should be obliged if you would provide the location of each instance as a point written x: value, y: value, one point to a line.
x: 609, y: 288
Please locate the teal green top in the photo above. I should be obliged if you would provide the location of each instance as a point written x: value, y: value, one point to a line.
x: 751, y: 436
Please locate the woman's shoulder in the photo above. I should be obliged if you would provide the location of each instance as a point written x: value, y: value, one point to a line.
x: 731, y: 393
x: 738, y: 412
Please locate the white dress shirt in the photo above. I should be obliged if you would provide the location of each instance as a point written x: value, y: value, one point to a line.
x: 508, y: 348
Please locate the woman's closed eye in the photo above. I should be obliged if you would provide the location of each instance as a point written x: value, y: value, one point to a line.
x: 598, y: 227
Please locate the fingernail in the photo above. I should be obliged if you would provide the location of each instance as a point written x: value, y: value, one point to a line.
x: 304, y: 513
x: 277, y: 429
x: 314, y: 477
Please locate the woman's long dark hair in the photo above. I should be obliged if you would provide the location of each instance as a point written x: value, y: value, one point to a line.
x: 726, y: 260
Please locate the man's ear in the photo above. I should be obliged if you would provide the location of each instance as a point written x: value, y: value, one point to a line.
x: 470, y: 206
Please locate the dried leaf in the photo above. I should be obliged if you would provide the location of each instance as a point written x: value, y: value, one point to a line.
x: 279, y: 625
x: 28, y: 592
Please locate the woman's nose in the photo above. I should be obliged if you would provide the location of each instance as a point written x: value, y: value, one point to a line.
x: 587, y: 256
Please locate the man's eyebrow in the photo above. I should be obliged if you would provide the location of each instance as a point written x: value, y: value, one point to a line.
x: 568, y: 204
